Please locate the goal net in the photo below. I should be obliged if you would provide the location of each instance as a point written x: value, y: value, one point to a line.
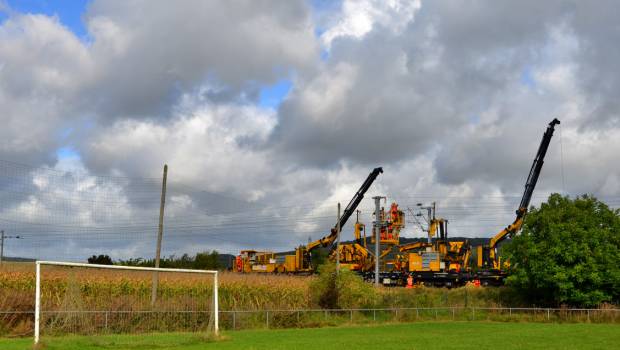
x: 88, y: 299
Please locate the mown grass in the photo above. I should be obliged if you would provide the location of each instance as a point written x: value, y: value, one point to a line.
x: 427, y: 336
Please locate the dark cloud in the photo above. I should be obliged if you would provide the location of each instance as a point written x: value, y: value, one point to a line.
x: 149, y: 53
x: 451, y: 98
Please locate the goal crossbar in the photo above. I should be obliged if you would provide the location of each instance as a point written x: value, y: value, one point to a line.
x: 37, y: 312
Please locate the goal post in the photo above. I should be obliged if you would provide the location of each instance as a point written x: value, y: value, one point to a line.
x: 38, y: 305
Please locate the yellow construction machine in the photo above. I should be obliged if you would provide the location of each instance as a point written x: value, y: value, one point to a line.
x: 301, y: 261
x: 438, y: 261
x: 356, y: 256
x: 487, y: 256
x: 256, y: 261
x: 490, y: 266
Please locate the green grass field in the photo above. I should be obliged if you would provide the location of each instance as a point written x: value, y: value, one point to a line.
x: 423, y: 336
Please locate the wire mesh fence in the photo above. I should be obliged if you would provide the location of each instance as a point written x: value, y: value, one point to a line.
x: 97, y: 299
x: 18, y: 323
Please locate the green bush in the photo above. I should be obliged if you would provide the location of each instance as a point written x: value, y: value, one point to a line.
x: 343, y: 290
x: 568, y: 253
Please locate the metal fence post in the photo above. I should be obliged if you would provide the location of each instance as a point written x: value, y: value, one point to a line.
x: 267, y: 313
x: 106, y: 320
x: 510, y: 312
x: 453, y: 314
x: 351, y: 318
x: 588, y: 315
x: 374, y: 314
x: 417, y: 313
x: 548, y: 315
x: 297, y: 316
x: 234, y: 320
x: 396, y: 314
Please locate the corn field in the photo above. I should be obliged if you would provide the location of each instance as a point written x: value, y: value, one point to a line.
x: 91, y: 301
x: 88, y: 301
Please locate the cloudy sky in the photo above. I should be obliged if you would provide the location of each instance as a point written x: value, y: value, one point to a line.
x: 270, y: 112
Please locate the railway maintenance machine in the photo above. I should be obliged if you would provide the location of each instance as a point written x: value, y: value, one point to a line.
x: 491, y: 271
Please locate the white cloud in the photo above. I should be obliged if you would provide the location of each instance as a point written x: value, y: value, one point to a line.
x: 357, y: 18
x: 199, y: 141
x: 435, y: 94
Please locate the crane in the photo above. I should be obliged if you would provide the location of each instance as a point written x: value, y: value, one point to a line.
x: 301, y: 262
x: 487, y: 254
x: 346, y: 214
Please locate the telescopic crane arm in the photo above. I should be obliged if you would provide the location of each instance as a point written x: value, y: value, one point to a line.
x: 348, y: 211
x: 530, y: 184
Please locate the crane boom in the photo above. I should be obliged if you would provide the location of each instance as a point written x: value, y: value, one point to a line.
x: 530, y: 184
x: 348, y: 211
x: 487, y: 254
x: 537, y: 165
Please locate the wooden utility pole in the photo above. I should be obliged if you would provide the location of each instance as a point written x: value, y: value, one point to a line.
x: 160, y: 233
x: 1, y: 246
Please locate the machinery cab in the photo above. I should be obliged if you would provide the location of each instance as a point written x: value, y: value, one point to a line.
x: 256, y: 261
x: 395, y: 221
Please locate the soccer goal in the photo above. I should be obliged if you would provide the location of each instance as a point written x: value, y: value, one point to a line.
x: 90, y: 299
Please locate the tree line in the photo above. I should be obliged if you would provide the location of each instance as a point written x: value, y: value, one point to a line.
x: 201, y: 261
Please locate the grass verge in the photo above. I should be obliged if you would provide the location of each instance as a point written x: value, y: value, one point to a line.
x: 427, y: 336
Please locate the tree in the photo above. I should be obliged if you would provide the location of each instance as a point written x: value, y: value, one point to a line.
x: 100, y: 260
x: 201, y: 261
x: 568, y: 253
x: 319, y: 257
x: 207, y: 261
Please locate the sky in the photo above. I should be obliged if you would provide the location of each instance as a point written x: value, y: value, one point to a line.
x: 268, y: 113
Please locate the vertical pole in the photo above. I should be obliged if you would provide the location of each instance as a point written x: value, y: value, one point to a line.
x: 430, y: 218
x: 1, y: 246
x: 160, y: 233
x: 338, y: 242
x: 37, y: 303
x: 216, y: 305
x: 234, y: 320
x: 377, y: 230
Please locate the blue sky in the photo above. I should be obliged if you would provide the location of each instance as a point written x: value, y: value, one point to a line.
x: 69, y: 12
x: 272, y: 96
x: 527, y: 78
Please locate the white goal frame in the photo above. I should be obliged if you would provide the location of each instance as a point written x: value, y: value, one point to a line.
x: 37, y: 307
